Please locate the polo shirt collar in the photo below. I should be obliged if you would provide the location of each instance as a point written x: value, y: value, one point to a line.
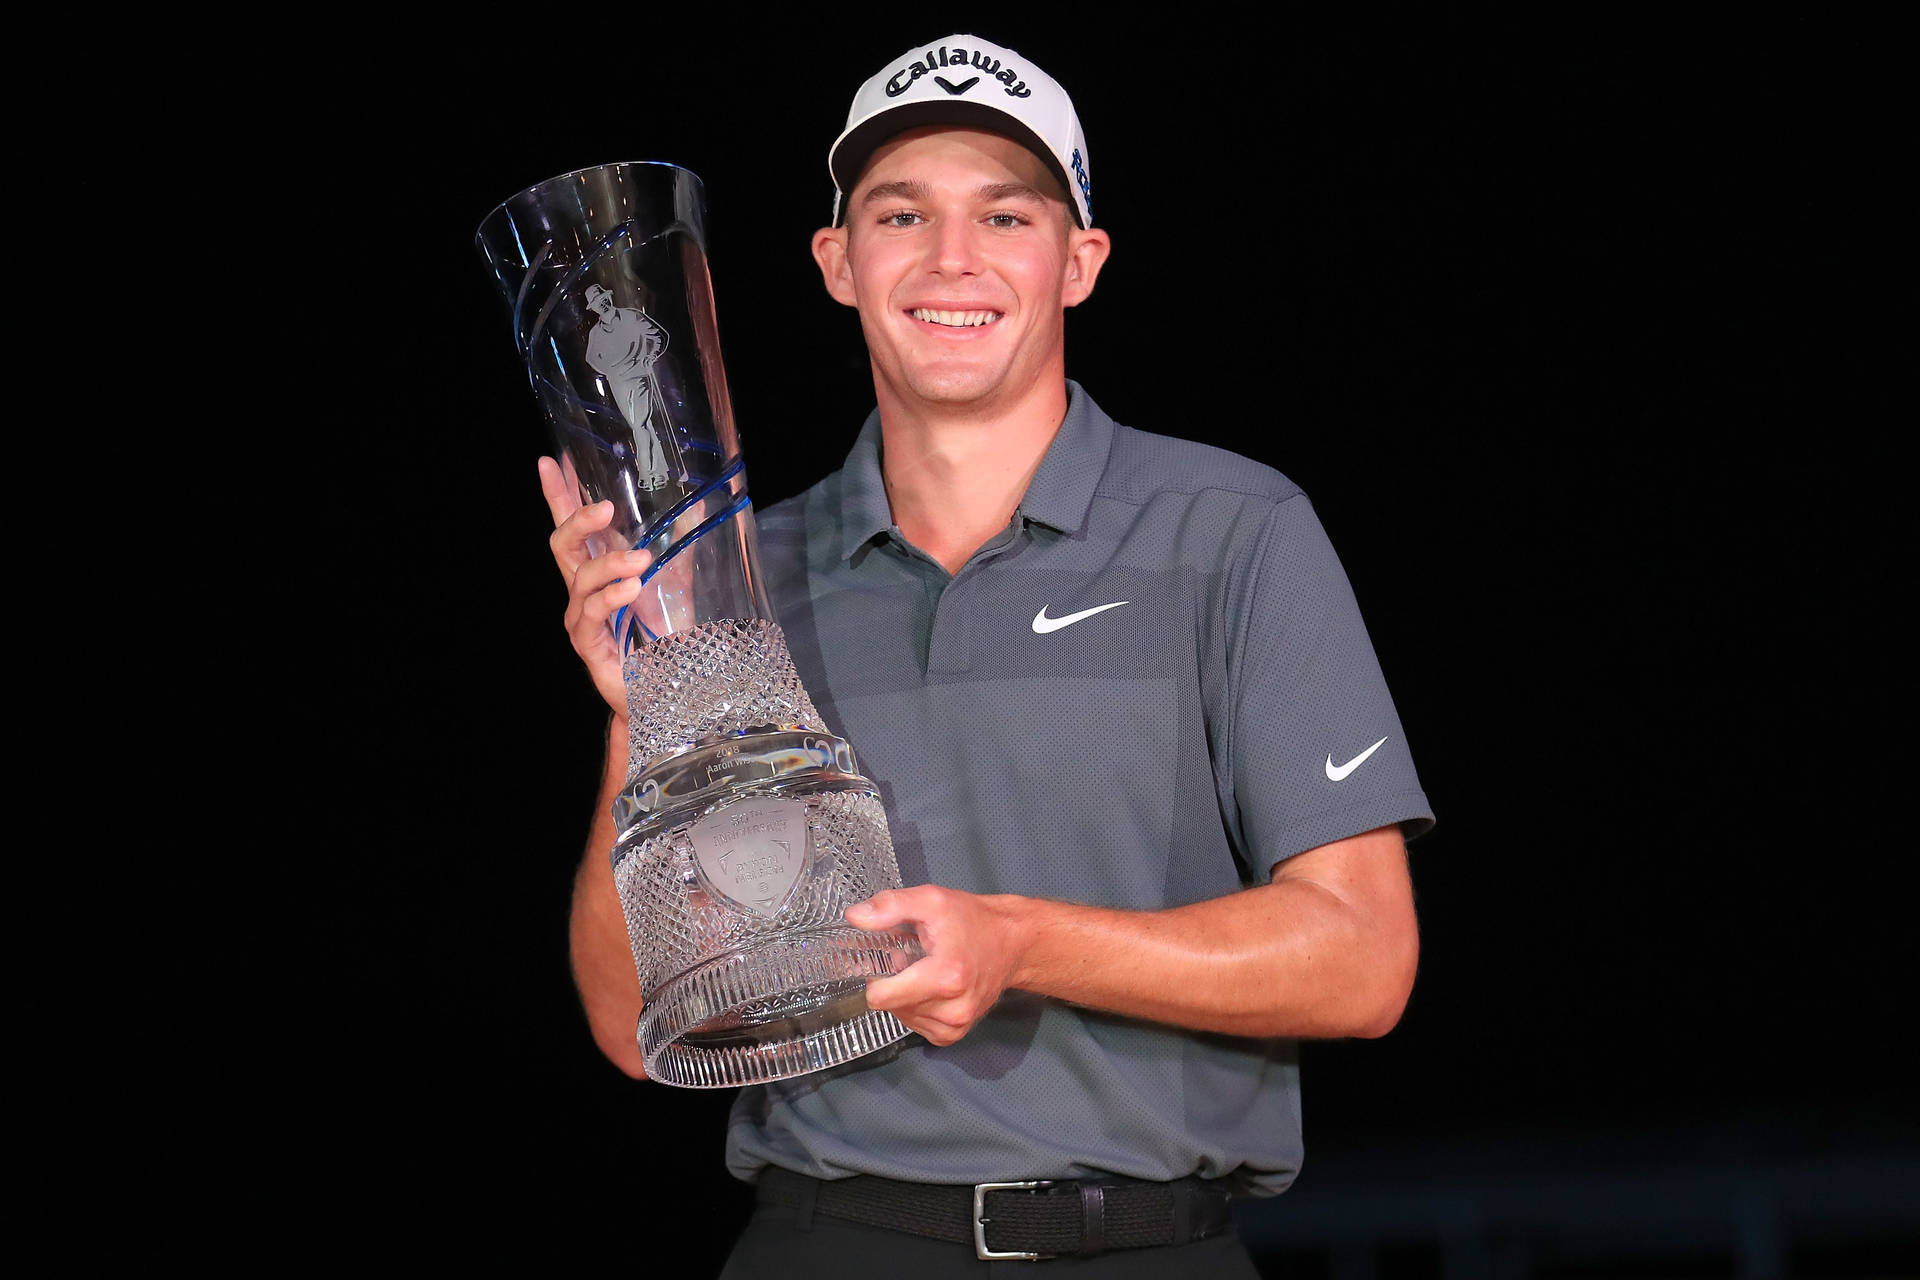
x: 1062, y: 489
x: 864, y: 513
x: 1058, y: 496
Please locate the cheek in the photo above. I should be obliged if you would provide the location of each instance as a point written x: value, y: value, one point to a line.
x: 876, y: 269
x: 876, y: 289
x: 1044, y: 277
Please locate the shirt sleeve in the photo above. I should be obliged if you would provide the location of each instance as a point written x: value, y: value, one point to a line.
x: 1315, y: 750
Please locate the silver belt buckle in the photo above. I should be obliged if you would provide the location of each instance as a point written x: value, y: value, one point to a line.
x: 980, y: 1220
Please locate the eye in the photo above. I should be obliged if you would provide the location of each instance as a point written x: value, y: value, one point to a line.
x: 901, y: 219
x: 1006, y: 220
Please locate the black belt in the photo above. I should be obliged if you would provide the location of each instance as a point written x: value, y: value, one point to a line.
x: 1025, y: 1220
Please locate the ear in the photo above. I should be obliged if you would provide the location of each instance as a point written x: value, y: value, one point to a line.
x: 1086, y: 254
x: 830, y: 251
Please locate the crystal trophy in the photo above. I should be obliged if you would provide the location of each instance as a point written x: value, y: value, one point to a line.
x: 745, y: 828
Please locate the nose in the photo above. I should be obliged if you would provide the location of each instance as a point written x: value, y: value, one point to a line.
x: 955, y: 252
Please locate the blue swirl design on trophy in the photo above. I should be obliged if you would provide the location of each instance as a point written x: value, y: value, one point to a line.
x: 659, y: 529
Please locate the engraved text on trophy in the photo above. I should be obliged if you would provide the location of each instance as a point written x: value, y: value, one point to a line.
x: 753, y: 852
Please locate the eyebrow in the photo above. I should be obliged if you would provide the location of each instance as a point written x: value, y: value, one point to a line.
x: 921, y: 192
x: 898, y: 191
x: 1011, y: 191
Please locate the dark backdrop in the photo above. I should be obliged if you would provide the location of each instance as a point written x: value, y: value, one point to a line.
x: 1563, y: 328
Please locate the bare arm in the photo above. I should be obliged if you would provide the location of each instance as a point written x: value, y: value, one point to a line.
x: 597, y: 934
x: 1327, y: 949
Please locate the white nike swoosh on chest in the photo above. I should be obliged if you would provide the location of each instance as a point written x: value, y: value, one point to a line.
x: 1042, y: 624
x: 1336, y: 772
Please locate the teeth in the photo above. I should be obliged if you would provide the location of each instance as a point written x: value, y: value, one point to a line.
x: 955, y: 319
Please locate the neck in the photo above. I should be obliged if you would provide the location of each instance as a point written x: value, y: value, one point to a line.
x: 955, y: 476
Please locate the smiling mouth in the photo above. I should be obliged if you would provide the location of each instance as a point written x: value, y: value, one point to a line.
x: 955, y: 319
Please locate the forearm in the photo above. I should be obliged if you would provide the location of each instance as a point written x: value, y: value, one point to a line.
x: 1291, y: 958
x: 1326, y: 950
x: 602, y: 957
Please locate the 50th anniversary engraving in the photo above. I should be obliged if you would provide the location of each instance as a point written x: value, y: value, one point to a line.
x: 753, y: 852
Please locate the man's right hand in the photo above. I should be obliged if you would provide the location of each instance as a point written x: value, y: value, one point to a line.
x: 597, y: 586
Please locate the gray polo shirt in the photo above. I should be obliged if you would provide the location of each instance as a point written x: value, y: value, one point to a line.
x: 1147, y: 690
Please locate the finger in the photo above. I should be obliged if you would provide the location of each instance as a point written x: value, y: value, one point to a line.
x: 941, y: 1023
x: 865, y: 915
x: 886, y: 909
x: 592, y: 620
x: 892, y: 993
x: 569, y: 537
x: 929, y: 981
x: 939, y: 1034
x: 912, y: 986
x: 601, y: 571
x: 561, y: 502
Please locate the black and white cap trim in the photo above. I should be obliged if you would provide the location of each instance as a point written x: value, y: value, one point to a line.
x: 965, y: 80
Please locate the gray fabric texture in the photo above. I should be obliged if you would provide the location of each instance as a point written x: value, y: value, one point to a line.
x: 1168, y: 750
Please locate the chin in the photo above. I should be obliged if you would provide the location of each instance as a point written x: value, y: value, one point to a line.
x: 954, y: 386
x: 953, y: 393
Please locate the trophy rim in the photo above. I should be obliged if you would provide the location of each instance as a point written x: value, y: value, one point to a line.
x: 524, y: 192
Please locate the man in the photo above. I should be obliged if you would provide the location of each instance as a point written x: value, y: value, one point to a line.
x: 1145, y: 781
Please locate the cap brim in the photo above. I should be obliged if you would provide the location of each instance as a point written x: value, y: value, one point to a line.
x: 850, y: 154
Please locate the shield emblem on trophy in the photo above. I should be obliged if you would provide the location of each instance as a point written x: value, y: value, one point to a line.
x: 752, y: 853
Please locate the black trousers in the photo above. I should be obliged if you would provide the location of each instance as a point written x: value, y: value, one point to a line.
x: 782, y: 1243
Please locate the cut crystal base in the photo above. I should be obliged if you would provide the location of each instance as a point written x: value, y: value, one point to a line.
x: 746, y: 832
x: 783, y: 1009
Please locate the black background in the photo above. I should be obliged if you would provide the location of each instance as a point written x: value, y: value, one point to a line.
x: 1569, y: 332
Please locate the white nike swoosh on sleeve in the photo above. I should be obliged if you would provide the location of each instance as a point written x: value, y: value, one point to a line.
x: 1336, y: 772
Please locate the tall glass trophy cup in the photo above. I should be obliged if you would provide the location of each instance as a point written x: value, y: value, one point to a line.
x: 745, y: 828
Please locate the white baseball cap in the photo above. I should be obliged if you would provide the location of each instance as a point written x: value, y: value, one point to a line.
x: 967, y: 81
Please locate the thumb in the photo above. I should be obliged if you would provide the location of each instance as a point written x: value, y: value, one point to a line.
x: 882, y: 911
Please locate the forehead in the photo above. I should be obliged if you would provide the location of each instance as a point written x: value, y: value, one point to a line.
x: 947, y: 157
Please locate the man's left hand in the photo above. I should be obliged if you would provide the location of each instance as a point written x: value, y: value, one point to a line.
x: 973, y: 946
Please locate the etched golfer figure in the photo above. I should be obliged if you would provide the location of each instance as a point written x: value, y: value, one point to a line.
x: 621, y: 348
